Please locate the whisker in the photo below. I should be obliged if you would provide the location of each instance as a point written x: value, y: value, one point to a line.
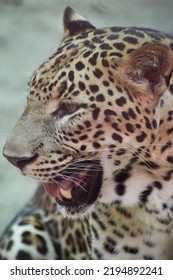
x: 72, y: 179
x: 154, y: 155
x: 76, y: 181
x: 83, y: 168
x: 148, y: 165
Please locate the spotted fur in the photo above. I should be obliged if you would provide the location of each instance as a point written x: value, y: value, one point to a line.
x: 99, y: 108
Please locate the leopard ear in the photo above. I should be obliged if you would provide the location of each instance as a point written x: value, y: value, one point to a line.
x: 148, y: 69
x: 75, y: 24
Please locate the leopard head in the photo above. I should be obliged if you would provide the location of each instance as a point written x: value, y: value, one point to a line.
x: 94, y: 127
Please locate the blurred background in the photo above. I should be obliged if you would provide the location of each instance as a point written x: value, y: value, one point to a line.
x: 30, y: 31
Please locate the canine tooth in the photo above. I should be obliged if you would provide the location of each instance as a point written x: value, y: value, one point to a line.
x: 66, y: 193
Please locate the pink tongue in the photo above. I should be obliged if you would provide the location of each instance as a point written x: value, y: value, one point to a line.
x: 54, y: 189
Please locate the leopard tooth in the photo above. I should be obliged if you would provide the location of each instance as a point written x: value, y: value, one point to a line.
x: 66, y: 193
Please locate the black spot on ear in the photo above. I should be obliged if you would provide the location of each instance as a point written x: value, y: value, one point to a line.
x: 75, y: 24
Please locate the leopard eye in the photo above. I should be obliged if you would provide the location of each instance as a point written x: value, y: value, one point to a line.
x: 61, y: 113
x: 65, y: 109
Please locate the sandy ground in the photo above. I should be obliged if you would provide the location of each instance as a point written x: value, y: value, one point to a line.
x: 29, y: 32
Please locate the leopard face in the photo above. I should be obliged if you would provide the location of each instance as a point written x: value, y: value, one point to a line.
x: 98, y: 120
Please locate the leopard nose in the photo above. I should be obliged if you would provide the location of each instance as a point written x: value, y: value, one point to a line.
x: 20, y: 162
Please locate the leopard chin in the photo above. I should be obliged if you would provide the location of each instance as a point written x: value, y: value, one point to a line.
x: 77, y: 188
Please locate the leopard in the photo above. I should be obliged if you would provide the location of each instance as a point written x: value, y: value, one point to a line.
x: 97, y: 133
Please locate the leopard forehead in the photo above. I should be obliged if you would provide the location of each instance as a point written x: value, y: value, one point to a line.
x: 84, y: 61
x: 80, y: 64
x: 86, y: 66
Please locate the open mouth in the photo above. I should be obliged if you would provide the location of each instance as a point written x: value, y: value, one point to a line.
x: 79, y: 185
